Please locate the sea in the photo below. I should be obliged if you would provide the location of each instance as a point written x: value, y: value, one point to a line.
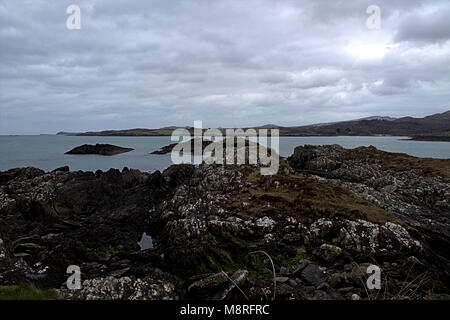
x: 47, y: 152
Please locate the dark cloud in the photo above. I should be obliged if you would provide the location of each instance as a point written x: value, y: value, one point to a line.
x: 226, y: 62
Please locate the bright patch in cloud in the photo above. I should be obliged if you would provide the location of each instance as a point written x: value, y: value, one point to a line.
x: 369, y: 51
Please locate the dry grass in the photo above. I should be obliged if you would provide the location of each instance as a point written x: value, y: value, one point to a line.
x: 306, y: 199
x: 401, y: 162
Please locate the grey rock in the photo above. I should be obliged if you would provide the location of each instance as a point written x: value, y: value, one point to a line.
x: 327, y: 252
x: 120, y: 272
x: 281, y: 279
x: 284, y: 270
x: 292, y: 283
x: 313, y: 275
x: 27, y: 247
x: 301, y: 265
x: 209, y: 282
x: 124, y: 288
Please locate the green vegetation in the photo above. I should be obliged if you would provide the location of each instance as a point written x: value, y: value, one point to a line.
x: 222, y: 260
x: 26, y: 291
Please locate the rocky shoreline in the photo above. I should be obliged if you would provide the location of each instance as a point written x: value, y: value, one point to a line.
x: 308, y: 232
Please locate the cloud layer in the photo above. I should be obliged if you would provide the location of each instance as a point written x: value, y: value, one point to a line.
x: 226, y: 62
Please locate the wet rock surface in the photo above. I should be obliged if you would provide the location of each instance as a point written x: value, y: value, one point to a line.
x: 228, y: 232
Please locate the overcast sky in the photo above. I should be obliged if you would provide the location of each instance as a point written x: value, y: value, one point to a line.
x: 229, y: 63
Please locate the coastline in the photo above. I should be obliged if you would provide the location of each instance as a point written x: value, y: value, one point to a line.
x: 410, y: 138
x: 315, y: 219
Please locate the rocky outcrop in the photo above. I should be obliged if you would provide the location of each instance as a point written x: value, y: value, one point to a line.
x: 101, y: 149
x: 415, y: 190
x: 226, y: 232
x: 190, y: 144
x: 123, y: 288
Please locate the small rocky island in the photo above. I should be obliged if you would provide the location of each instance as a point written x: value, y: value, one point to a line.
x: 101, y: 149
x: 204, y: 143
x: 168, y: 149
x: 226, y: 232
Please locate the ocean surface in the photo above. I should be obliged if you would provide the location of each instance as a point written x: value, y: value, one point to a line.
x: 47, y: 151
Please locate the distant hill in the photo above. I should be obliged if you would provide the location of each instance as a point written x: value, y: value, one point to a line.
x: 269, y: 126
x: 435, y: 127
x: 63, y: 133
x: 129, y: 132
x: 367, y: 118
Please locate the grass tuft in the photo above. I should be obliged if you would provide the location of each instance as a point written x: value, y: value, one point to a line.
x: 26, y: 291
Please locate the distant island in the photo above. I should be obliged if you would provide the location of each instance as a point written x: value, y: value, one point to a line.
x: 431, y: 128
x: 101, y: 149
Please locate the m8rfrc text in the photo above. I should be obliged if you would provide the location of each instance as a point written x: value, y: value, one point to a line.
x: 253, y: 309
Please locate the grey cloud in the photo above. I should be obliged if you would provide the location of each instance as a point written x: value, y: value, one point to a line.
x: 423, y: 25
x: 227, y: 62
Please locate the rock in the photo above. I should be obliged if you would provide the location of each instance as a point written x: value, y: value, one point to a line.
x: 359, y: 273
x: 120, y: 272
x: 301, y: 265
x: 23, y: 255
x: 281, y: 279
x: 283, y: 270
x: 3, y: 253
x: 72, y: 223
x: 101, y: 149
x: 337, y: 280
x: 125, y: 288
x: 328, y: 252
x: 361, y: 238
x: 62, y: 169
x: 346, y: 290
x: 313, y: 275
x: 185, y: 145
x: 355, y: 297
x: 321, y: 295
x: 292, y: 283
x: 165, y: 150
x: 414, y: 189
x: 27, y: 247
x: 284, y: 292
x: 20, y: 173
x: 211, y: 282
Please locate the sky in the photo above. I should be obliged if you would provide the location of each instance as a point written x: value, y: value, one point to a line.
x: 228, y: 63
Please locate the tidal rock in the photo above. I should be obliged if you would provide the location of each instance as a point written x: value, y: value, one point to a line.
x: 101, y: 149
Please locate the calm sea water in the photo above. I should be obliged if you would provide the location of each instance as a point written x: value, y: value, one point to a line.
x: 47, y: 151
